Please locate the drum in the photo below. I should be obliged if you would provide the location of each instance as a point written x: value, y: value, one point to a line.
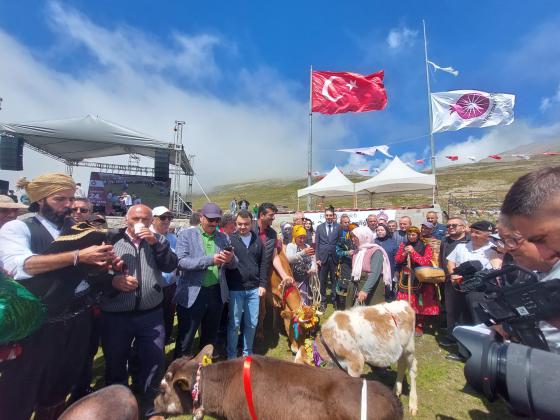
x: 429, y: 274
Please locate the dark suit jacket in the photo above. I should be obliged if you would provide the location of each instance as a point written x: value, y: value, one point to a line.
x: 326, y: 244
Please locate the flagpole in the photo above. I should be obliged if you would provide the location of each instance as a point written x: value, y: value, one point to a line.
x: 310, y: 145
x: 432, y: 147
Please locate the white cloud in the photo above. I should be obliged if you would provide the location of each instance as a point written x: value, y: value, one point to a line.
x: 498, y: 140
x: 127, y: 80
x: 548, y: 102
x: 400, y: 38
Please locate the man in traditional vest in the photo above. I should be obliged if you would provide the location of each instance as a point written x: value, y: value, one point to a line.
x: 52, y: 357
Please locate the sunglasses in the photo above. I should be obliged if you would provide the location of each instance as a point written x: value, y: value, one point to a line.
x: 80, y: 210
x: 453, y: 225
x: 165, y: 217
x: 213, y: 219
x: 508, y: 243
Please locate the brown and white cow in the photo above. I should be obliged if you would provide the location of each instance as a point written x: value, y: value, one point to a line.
x: 280, y: 390
x: 112, y: 402
x: 378, y: 335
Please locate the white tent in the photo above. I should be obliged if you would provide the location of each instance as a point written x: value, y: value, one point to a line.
x: 76, y: 139
x: 397, y: 177
x: 334, y: 184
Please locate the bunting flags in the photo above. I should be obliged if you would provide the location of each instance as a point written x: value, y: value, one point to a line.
x: 449, y: 70
x: 340, y: 92
x: 420, y: 161
x: 495, y: 157
x: 458, y: 109
x: 453, y: 157
x: 551, y: 153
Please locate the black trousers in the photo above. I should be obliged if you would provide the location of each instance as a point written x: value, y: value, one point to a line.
x: 456, y: 309
x: 327, y: 270
x: 205, y: 313
x: 48, y: 368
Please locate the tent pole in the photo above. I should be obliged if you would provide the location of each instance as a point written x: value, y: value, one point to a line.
x: 432, y: 145
x: 310, y: 145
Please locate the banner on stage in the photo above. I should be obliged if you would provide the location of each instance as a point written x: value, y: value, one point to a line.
x: 357, y: 216
x: 458, y: 109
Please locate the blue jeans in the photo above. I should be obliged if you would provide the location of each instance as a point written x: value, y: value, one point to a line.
x: 242, y: 302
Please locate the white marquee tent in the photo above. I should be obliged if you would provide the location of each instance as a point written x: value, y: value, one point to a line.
x: 397, y: 177
x: 334, y: 184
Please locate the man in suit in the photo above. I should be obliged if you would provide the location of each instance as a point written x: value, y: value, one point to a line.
x: 325, y: 238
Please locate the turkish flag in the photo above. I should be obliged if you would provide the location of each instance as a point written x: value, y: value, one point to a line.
x: 339, y: 92
x: 452, y: 157
x: 420, y: 161
x: 497, y: 157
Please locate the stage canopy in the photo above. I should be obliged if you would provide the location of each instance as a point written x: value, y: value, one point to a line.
x: 76, y: 139
x: 397, y: 177
x: 334, y: 184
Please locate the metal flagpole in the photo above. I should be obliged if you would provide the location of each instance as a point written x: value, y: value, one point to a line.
x: 432, y: 147
x: 310, y: 145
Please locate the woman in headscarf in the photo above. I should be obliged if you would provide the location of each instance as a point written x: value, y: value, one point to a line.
x: 302, y: 261
x: 423, y: 298
x: 386, y: 241
x: 371, y: 270
x: 286, y: 229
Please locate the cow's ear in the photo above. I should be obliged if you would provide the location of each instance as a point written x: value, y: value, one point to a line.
x: 182, y: 383
x: 207, y: 351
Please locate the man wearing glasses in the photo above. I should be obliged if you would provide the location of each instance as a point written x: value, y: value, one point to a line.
x: 81, y: 210
x: 202, y: 289
x: 455, y: 304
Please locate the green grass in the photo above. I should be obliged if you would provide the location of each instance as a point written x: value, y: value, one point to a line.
x: 441, y: 386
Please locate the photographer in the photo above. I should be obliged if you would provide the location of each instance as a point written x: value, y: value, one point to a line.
x: 532, y: 206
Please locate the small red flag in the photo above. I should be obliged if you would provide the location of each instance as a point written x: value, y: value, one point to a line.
x: 339, y: 92
x: 497, y: 157
x: 452, y: 157
x: 420, y: 161
x: 551, y: 153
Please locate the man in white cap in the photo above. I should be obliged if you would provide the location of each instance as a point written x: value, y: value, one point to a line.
x: 53, y: 356
x: 9, y: 210
x: 160, y: 224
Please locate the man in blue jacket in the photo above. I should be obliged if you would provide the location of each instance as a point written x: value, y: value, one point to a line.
x: 203, y: 254
x: 247, y: 283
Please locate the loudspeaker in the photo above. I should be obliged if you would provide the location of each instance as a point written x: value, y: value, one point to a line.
x: 4, y: 187
x: 161, y: 165
x: 11, y: 153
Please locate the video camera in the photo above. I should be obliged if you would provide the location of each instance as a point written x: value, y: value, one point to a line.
x: 514, y: 298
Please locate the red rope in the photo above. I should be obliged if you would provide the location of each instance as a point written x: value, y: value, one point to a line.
x: 287, y: 293
x: 247, y: 386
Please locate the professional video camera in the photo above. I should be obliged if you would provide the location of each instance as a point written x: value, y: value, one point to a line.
x: 514, y: 298
x: 526, y: 378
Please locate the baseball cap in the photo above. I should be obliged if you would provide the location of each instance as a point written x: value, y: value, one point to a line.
x: 211, y: 210
x: 160, y: 211
x: 429, y: 225
x: 483, y: 226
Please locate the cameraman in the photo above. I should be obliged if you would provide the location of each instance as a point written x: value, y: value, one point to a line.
x: 532, y: 205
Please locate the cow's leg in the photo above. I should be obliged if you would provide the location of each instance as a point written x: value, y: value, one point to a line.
x: 401, y: 370
x: 412, y: 398
x: 288, y: 325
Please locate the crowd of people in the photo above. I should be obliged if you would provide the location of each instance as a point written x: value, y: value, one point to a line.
x: 214, y: 275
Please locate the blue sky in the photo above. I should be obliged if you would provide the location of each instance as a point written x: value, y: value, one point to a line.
x: 238, y: 73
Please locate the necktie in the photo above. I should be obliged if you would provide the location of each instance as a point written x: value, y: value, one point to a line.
x: 329, y: 227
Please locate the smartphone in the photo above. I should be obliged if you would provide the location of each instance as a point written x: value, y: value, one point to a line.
x: 228, y: 248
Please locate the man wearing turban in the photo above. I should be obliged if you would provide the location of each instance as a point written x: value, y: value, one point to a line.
x: 42, y: 376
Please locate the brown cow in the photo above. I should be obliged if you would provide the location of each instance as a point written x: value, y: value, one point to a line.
x: 288, y: 299
x: 112, y: 402
x: 378, y: 335
x: 280, y: 390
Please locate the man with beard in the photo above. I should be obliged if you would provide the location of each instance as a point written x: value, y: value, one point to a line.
x: 533, y: 207
x: 52, y: 357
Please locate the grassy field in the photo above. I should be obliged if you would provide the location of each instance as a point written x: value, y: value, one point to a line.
x: 441, y: 386
x: 479, y: 185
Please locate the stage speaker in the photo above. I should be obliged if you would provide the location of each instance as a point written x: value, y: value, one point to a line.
x: 11, y: 153
x: 4, y: 187
x: 161, y: 165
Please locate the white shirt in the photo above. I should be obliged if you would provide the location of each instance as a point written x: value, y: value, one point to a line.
x: 550, y: 332
x: 15, y: 245
x: 464, y: 252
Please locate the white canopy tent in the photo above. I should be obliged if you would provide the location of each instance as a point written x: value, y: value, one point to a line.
x: 397, y: 177
x: 334, y: 184
x: 75, y: 139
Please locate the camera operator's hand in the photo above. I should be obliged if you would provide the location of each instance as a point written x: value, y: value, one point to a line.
x: 456, y: 278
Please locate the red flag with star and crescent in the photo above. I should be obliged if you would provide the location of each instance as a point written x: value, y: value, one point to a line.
x: 340, y: 92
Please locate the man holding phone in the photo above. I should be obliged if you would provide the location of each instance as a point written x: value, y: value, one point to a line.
x: 202, y: 287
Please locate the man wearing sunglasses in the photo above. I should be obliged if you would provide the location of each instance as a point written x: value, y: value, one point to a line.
x: 81, y: 209
x: 202, y: 289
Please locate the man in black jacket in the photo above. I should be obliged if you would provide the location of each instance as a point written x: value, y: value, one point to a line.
x: 247, y: 283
